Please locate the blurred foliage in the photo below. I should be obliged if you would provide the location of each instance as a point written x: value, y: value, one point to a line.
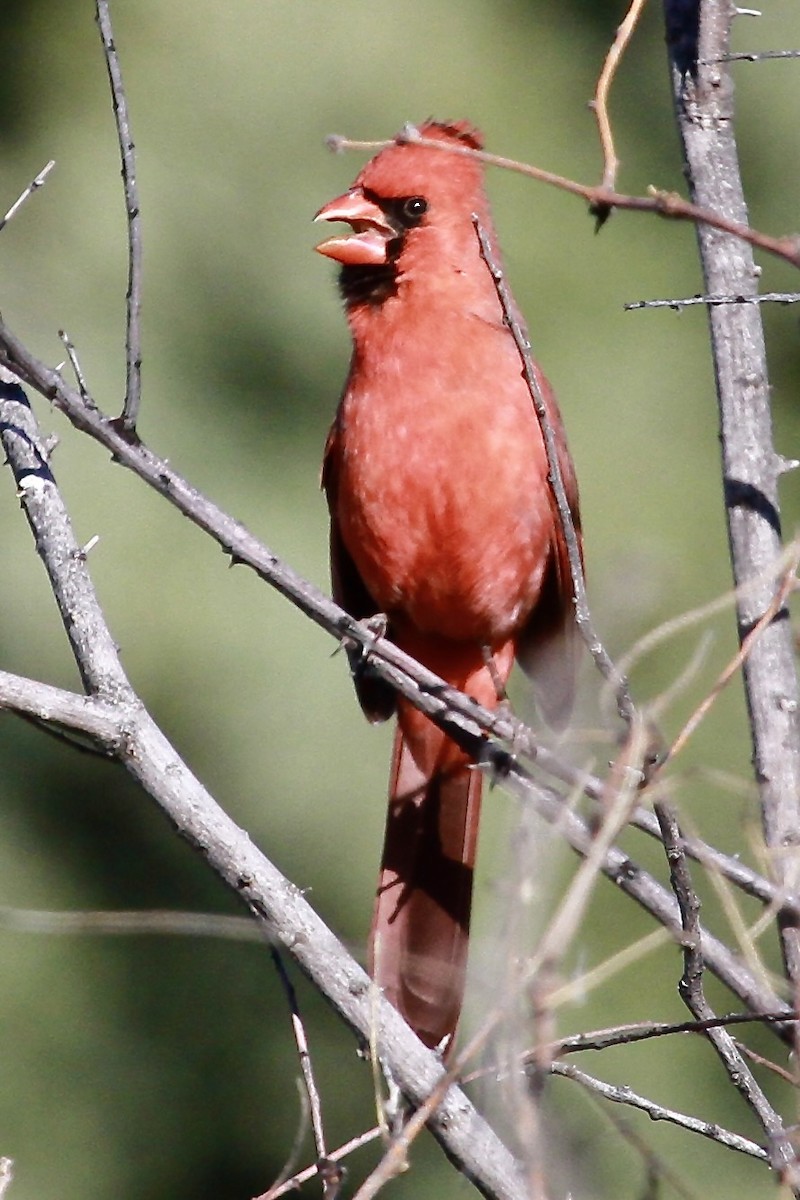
x: 149, y: 1066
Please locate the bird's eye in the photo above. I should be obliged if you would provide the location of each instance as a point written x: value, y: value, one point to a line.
x: 414, y: 208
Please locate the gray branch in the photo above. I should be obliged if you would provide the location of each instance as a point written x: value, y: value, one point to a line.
x: 751, y: 467
x: 115, y: 716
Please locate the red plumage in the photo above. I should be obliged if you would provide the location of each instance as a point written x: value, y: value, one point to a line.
x: 442, y: 518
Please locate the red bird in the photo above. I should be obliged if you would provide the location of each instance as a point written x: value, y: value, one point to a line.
x: 442, y: 518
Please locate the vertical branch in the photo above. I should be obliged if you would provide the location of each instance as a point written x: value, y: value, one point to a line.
x: 583, y: 616
x: 133, y: 337
x: 699, y: 37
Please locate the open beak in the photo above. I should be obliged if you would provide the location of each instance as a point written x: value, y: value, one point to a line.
x: 372, y: 231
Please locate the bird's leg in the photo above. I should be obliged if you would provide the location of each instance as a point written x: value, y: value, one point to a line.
x: 491, y: 666
x: 395, y: 1106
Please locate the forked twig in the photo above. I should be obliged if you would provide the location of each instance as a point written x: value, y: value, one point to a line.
x: 133, y: 333
x: 781, y: 1152
x: 336, y: 1156
x: 660, y: 203
x: 330, y: 1172
x: 600, y: 103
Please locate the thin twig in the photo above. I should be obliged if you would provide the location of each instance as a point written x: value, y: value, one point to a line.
x: 659, y: 1170
x: 782, y: 1156
x: 669, y: 205
x: 620, y: 1094
x: 289, y: 1169
x: 583, y: 615
x: 711, y: 301
x: 625, y: 1035
x: 301, y: 1177
x: 133, y: 334
x: 395, y: 1158
x: 751, y: 56
x: 330, y: 1173
x: 155, y: 922
x: 32, y: 187
x: 72, y: 355
x: 600, y: 103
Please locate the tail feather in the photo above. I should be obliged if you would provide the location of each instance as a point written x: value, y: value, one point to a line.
x: 420, y: 928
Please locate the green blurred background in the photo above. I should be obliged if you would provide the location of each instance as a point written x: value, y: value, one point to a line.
x: 150, y: 1066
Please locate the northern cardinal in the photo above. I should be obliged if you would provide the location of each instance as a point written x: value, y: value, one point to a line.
x: 442, y: 519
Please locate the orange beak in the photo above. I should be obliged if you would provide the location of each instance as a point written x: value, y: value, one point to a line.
x: 372, y: 231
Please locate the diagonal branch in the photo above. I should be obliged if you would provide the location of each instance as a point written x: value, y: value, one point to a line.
x: 286, y: 918
x: 460, y: 716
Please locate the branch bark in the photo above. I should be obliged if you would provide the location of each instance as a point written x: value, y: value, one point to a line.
x: 703, y: 95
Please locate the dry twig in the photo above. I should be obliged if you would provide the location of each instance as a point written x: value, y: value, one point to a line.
x: 781, y: 1154
x: 133, y: 335
x: 32, y: 187
x: 600, y: 103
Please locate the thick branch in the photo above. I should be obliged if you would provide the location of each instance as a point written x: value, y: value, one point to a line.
x: 751, y: 467
x: 285, y: 916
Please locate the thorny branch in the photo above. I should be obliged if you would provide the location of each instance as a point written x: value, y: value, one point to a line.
x: 116, y: 714
x: 99, y: 714
x: 464, y: 720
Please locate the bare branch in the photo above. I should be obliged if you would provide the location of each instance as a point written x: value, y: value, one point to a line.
x: 336, y: 1156
x: 156, y: 922
x: 781, y: 1152
x: 460, y: 716
x: 600, y: 103
x: 72, y: 355
x: 752, y: 56
x: 127, y: 149
x: 331, y: 1174
x: 751, y: 468
x: 278, y: 905
x: 689, y: 301
x: 620, y: 1094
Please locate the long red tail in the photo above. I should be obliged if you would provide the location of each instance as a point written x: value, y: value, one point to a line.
x: 420, y: 926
